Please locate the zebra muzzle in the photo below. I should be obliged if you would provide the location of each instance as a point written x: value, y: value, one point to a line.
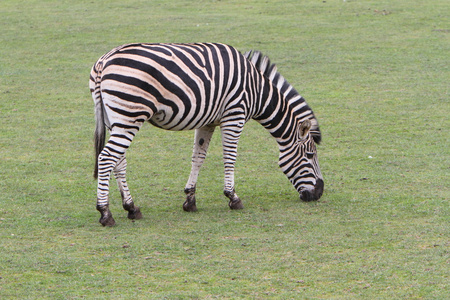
x: 312, y: 194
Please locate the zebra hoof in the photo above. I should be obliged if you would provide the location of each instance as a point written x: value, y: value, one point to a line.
x: 236, y: 204
x: 189, y: 206
x: 107, y: 221
x: 135, y: 214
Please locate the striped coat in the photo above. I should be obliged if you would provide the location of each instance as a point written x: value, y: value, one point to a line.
x: 198, y: 86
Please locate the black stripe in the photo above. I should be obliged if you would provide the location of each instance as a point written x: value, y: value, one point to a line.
x: 129, y: 113
x: 163, y: 80
x: 124, y: 126
x: 131, y: 98
x: 171, y: 66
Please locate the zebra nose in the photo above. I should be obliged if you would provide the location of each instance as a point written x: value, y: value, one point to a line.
x: 307, y: 195
x: 313, y: 194
x: 318, y: 188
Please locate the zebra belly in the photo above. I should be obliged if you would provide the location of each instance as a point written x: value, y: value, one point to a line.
x: 166, y: 118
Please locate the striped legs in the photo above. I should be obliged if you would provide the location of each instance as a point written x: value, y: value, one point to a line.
x: 201, y: 143
x: 127, y: 202
x: 231, y: 131
x: 112, y: 158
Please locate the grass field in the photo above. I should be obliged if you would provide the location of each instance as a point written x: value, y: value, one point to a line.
x: 375, y: 73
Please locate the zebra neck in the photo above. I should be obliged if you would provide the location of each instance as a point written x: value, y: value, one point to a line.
x: 282, y: 112
x: 276, y: 113
x: 281, y: 108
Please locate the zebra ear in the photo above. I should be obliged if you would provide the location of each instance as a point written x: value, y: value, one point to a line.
x: 304, y: 128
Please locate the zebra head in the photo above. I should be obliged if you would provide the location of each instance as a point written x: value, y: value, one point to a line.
x: 298, y: 160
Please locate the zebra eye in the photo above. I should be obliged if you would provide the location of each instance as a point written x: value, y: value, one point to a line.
x: 310, y: 155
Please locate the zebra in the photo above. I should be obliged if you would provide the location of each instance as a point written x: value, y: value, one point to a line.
x: 197, y: 86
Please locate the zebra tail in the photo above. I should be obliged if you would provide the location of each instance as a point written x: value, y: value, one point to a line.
x: 100, y: 129
x: 99, y: 135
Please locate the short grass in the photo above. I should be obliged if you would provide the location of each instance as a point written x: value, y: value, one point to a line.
x: 375, y: 73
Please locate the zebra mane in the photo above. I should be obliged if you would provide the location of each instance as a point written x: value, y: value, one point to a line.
x: 263, y: 64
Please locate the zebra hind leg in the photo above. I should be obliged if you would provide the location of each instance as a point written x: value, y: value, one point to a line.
x: 112, y: 158
x: 106, y: 163
x: 134, y: 213
x: 106, y: 218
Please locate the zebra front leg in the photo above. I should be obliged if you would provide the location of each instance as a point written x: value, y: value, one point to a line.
x: 231, y: 132
x: 120, y: 173
x: 189, y: 204
x: 235, y: 201
x: 201, y: 143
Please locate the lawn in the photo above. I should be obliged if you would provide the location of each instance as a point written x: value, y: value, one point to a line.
x: 374, y: 72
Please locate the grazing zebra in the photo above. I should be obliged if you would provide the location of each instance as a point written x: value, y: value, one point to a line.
x: 198, y: 86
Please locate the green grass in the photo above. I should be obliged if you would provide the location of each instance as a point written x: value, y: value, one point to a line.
x: 375, y: 73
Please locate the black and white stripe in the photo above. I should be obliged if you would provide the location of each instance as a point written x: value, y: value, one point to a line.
x: 197, y: 86
x: 293, y: 124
